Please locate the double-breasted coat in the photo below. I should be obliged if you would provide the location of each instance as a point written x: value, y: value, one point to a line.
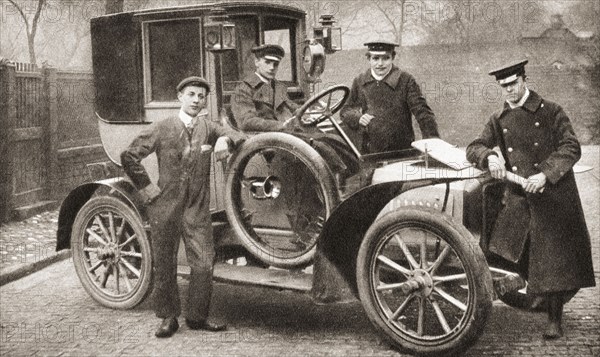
x: 392, y: 101
x: 181, y: 210
x: 538, y: 137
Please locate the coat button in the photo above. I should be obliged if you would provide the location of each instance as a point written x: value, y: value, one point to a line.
x: 536, y: 165
x: 536, y: 144
x: 505, y: 130
x: 510, y: 149
x: 537, y: 123
x: 542, y: 105
x: 514, y: 168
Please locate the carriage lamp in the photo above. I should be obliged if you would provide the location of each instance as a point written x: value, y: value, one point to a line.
x: 219, y: 32
x: 328, y: 35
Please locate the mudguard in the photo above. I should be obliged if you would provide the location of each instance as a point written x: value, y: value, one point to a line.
x: 79, y: 196
x: 335, y: 259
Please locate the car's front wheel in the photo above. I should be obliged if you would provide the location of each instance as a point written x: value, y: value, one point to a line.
x: 424, y: 282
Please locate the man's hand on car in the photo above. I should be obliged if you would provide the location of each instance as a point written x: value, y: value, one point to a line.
x: 365, y: 119
x: 222, y: 148
x: 535, y: 183
x: 289, y: 123
x: 496, y: 167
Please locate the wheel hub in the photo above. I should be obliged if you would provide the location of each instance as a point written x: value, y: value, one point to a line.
x: 109, y: 253
x: 418, y: 281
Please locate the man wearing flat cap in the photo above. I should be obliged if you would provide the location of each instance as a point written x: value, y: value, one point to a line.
x: 541, y: 229
x: 382, y: 102
x: 178, y: 207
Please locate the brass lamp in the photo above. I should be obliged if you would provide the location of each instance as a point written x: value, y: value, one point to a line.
x: 328, y: 35
x: 219, y: 32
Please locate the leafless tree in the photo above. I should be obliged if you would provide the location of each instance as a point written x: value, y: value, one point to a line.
x: 30, y: 27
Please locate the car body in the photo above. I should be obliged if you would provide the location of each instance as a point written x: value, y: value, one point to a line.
x: 404, y: 228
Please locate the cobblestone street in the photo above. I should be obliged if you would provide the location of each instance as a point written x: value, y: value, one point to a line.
x: 28, y: 241
x: 48, y: 313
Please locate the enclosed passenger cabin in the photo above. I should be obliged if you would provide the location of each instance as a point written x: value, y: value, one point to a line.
x: 139, y: 57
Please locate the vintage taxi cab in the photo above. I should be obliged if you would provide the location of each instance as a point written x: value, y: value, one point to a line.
x: 406, y: 237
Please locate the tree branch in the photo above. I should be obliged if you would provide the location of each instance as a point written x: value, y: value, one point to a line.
x: 22, y: 15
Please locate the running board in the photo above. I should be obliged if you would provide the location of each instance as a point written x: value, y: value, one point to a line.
x: 279, y: 279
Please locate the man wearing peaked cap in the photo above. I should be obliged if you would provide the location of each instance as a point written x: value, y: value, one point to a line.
x: 381, y: 47
x: 382, y: 102
x: 551, y: 249
x: 271, y: 52
x: 178, y: 205
x: 260, y: 102
x: 509, y: 72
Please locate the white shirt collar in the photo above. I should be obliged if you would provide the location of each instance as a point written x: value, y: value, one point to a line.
x: 379, y: 78
x: 189, y: 120
x: 521, y: 101
x: 262, y: 78
x: 185, y: 118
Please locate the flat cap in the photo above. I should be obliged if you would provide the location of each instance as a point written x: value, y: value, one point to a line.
x: 269, y: 51
x: 381, y: 46
x: 193, y: 80
x: 509, y: 72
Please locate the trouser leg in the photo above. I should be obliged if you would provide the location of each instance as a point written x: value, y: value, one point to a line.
x: 555, y: 312
x: 200, y: 252
x: 165, y: 238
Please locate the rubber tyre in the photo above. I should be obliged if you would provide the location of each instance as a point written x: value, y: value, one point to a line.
x: 465, y: 249
x: 309, y: 157
x: 140, y: 253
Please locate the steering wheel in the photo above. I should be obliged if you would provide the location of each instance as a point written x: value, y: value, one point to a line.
x: 322, y: 105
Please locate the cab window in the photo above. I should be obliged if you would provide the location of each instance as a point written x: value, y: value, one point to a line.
x: 172, y: 52
x: 282, y: 32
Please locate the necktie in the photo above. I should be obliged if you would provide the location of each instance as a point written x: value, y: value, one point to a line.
x: 190, y: 129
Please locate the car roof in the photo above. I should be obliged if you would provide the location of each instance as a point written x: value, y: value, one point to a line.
x: 211, y: 6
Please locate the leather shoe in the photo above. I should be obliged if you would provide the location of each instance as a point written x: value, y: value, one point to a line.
x: 553, y: 331
x: 167, y: 328
x: 205, y: 325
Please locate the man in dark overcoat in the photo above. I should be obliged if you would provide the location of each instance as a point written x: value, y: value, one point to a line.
x: 538, y: 143
x: 382, y: 101
x: 179, y: 206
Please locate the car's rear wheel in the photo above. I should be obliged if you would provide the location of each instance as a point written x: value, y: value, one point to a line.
x: 424, y: 282
x: 111, y: 253
x: 279, y: 192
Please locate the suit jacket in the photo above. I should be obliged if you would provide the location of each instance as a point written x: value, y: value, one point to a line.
x: 391, y: 101
x: 183, y: 161
x: 256, y: 106
x: 539, y: 137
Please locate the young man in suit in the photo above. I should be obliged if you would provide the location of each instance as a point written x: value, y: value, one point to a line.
x: 178, y: 207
